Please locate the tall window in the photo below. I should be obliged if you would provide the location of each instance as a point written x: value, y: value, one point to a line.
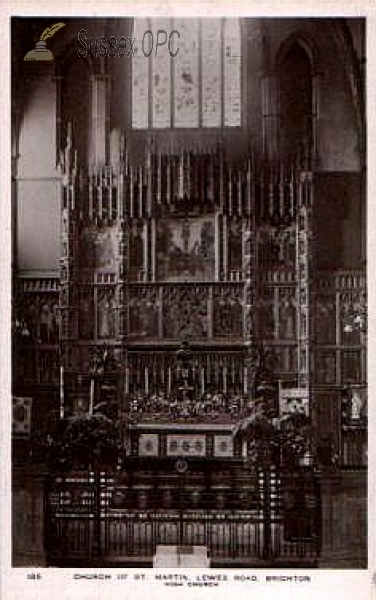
x: 199, y: 87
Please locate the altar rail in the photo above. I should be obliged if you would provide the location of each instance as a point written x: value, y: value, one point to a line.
x: 82, y: 526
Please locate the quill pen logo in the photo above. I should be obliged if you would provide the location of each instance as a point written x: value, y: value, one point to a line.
x: 40, y: 52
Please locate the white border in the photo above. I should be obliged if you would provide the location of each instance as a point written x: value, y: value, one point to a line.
x: 334, y: 584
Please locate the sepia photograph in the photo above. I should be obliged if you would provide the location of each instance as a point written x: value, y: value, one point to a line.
x: 188, y: 296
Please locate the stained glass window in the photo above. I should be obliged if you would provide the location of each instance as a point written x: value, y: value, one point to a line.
x: 199, y: 87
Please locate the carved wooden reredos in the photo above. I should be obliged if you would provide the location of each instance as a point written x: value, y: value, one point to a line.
x: 179, y: 247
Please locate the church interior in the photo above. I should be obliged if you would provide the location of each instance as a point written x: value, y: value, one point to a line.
x: 189, y: 265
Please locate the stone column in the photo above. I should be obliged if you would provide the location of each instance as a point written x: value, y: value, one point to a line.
x: 28, y: 517
x: 270, y: 116
x: 343, y: 520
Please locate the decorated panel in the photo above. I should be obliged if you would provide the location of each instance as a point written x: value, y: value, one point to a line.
x: 325, y: 367
x: 286, y: 358
x: 223, y: 446
x: 185, y: 312
x: 48, y: 366
x: 235, y: 251
x: 351, y: 371
x: 293, y: 400
x: 106, y: 312
x: 185, y: 249
x: 352, y: 316
x: 148, y: 444
x: 354, y: 405
x: 97, y: 248
x: 143, y: 303
x: 287, y: 313
x: 266, y: 313
x: 227, y: 312
x: 325, y: 320
x: 136, y: 251
x: 276, y: 247
x: 186, y: 445
x: 21, y: 416
x: 86, y: 312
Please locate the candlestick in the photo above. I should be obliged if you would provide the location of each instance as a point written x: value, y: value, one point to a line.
x: 168, y: 181
x: 90, y: 199
x: 91, y: 402
x: 221, y: 191
x: 292, y: 201
x: 99, y: 192
x: 159, y: 175
x: 230, y: 192
x: 131, y: 191
x: 240, y: 193
x: 111, y: 213
x: 181, y: 176
x: 281, y: 191
x: 61, y: 392
x: 249, y: 187
x: 202, y: 381
x: 140, y: 190
x: 149, y: 183
x: 146, y: 251
x: 245, y: 380
x: 169, y: 382
x: 146, y: 381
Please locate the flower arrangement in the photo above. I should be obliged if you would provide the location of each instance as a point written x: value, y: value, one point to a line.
x: 88, y: 441
x: 272, y: 440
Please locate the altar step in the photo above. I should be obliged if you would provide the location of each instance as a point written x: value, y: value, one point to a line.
x: 181, y: 556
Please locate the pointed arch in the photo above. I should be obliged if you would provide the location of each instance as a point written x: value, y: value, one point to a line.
x: 296, y: 63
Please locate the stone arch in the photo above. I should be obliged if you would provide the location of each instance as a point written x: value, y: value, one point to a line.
x: 297, y: 62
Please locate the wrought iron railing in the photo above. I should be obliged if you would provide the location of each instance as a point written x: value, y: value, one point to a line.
x: 276, y: 520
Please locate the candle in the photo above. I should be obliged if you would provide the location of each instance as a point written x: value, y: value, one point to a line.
x: 168, y: 181
x: 61, y: 392
x: 90, y: 199
x: 224, y: 372
x: 202, y: 381
x: 99, y: 192
x: 281, y: 191
x: 146, y: 381
x: 240, y: 199
x: 292, y: 201
x: 245, y: 380
x: 181, y: 175
x: 230, y: 192
x: 169, y: 382
x: 159, y: 174
x: 271, y: 198
x: 149, y: 183
x: 127, y: 380
x: 91, y: 403
x: 221, y: 190
x: 249, y: 187
x: 111, y: 213
x: 146, y: 251
x: 140, y: 191
x: 131, y: 191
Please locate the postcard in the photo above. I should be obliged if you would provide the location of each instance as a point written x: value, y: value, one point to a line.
x: 187, y: 363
